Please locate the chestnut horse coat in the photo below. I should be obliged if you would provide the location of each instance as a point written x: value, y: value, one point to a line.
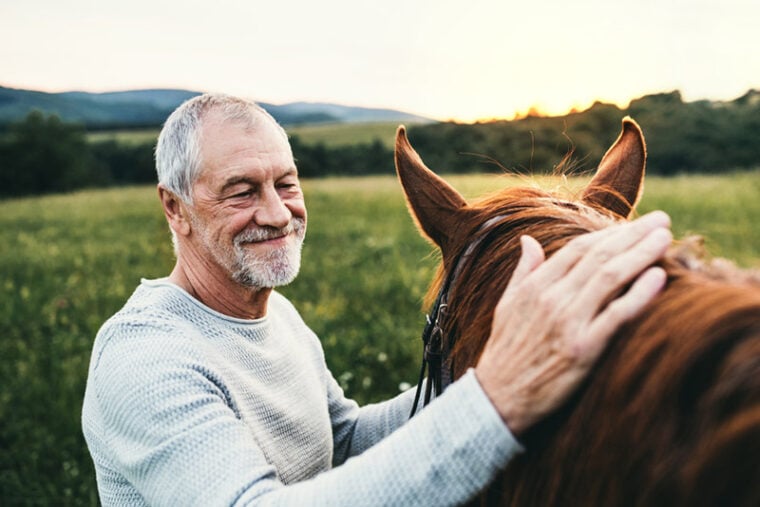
x: 670, y: 415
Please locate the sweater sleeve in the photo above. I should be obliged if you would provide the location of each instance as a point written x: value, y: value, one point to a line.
x: 173, y: 433
x: 356, y: 429
x: 443, y: 456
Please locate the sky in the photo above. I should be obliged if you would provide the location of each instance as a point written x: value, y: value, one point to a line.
x: 463, y: 60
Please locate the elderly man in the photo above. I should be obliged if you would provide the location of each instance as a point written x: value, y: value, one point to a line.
x: 207, y: 388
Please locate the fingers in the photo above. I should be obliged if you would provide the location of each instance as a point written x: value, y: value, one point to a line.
x: 532, y: 255
x: 584, y: 254
x: 584, y: 275
x: 617, y: 241
x: 619, y: 311
x: 608, y: 278
x: 557, y: 315
x: 620, y: 270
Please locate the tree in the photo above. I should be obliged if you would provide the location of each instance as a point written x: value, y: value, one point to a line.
x: 42, y: 154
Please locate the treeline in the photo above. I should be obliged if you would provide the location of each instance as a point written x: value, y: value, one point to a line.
x: 41, y: 154
x: 694, y: 137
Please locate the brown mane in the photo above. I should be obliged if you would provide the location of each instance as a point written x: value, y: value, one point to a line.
x: 671, y: 413
x: 694, y: 356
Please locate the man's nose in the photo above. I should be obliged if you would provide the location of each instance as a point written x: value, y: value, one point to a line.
x: 272, y: 210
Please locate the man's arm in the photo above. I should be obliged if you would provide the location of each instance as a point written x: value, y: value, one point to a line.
x: 357, y: 429
x: 174, y: 436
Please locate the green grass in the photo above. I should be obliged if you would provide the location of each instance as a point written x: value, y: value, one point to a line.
x: 72, y: 260
x: 330, y: 134
x: 345, y: 134
x: 128, y: 137
x: 724, y: 210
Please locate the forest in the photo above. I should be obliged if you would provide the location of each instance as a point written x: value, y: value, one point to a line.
x: 42, y: 154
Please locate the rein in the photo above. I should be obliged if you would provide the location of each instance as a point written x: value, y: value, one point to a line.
x: 436, y: 360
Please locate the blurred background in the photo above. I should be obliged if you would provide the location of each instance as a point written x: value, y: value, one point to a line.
x: 492, y: 93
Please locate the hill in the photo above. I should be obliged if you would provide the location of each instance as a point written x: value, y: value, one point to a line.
x: 300, y: 113
x: 149, y: 108
x: 116, y: 109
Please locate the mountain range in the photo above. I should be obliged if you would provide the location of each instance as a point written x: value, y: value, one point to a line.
x: 149, y: 108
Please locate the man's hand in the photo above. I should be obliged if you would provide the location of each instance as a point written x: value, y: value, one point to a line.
x: 556, y: 316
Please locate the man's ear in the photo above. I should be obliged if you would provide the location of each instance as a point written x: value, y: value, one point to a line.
x: 175, y: 211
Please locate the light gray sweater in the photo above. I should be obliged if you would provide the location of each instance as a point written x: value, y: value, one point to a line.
x: 186, y: 406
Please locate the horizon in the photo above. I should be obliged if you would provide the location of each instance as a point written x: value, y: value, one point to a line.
x: 440, y: 59
x: 532, y: 111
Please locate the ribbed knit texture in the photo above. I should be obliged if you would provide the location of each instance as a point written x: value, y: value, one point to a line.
x: 186, y: 406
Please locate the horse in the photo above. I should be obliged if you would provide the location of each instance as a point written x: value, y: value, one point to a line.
x: 670, y: 413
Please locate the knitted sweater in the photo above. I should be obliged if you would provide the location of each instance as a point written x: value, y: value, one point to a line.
x: 187, y: 406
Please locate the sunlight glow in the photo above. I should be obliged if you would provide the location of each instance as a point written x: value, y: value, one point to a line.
x: 437, y: 58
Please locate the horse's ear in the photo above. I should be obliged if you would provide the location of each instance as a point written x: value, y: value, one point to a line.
x: 619, y: 180
x: 434, y: 204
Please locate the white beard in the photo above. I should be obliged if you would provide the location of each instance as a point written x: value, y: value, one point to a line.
x: 275, y: 268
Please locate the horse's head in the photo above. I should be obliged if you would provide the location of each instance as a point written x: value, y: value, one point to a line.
x: 441, y: 211
x: 490, y: 228
x: 671, y: 413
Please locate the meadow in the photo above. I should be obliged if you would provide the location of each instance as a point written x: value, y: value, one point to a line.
x: 72, y: 260
x: 342, y: 134
x: 329, y: 134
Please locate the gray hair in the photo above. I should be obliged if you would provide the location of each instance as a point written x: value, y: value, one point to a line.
x: 178, y: 151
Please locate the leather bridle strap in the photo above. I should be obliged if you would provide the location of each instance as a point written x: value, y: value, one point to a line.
x: 435, y: 359
x: 432, y: 355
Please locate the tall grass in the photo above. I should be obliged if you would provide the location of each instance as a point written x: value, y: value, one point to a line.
x: 725, y: 211
x: 70, y: 261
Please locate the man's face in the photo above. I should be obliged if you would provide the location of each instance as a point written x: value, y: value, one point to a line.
x: 248, y: 216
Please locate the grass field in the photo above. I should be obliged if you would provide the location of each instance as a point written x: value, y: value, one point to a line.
x: 330, y: 134
x: 342, y: 134
x: 128, y: 137
x: 72, y: 260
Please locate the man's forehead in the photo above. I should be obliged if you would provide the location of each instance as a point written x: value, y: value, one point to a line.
x: 250, y: 119
x: 221, y: 135
x: 215, y: 119
x: 229, y: 149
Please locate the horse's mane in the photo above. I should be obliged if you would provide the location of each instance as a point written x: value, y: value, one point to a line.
x: 672, y: 407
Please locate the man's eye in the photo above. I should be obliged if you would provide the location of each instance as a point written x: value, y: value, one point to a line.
x: 242, y: 195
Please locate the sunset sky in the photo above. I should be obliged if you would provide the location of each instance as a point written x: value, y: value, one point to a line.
x: 444, y: 59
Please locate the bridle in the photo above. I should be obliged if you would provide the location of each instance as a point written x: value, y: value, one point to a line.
x: 436, y: 358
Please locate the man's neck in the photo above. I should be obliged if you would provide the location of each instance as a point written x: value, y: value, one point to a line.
x: 220, y: 293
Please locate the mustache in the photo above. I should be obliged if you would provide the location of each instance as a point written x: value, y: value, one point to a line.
x: 266, y: 233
